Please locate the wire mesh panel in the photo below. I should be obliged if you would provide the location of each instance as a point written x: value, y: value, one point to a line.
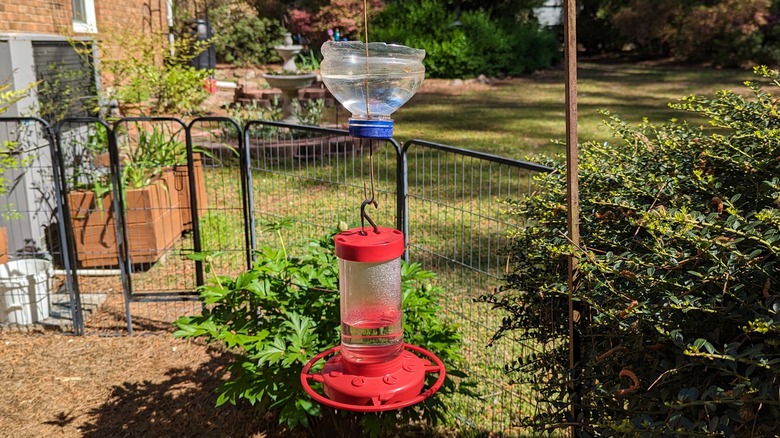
x: 33, y: 274
x: 128, y: 204
x: 153, y: 174
x: 222, y: 225
x: 91, y: 227
x: 457, y: 228
x: 305, y: 181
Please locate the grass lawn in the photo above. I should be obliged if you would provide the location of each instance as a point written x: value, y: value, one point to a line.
x: 521, y: 117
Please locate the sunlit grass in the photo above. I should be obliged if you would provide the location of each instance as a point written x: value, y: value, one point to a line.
x: 521, y: 117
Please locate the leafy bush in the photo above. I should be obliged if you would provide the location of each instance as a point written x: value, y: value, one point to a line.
x: 141, y: 68
x: 278, y: 315
x: 244, y: 113
x: 347, y: 16
x: 728, y: 33
x: 179, y: 89
x: 9, y: 96
x: 480, y: 45
x: 679, y: 294
x: 8, y: 157
x: 245, y: 39
x: 309, y: 112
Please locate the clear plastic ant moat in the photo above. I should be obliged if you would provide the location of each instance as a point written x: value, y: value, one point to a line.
x: 371, y: 80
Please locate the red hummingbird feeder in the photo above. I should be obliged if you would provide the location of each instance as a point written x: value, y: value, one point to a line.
x: 373, y: 369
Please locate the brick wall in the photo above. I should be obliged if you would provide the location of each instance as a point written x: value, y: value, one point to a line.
x: 36, y: 16
x: 137, y: 15
x: 56, y: 16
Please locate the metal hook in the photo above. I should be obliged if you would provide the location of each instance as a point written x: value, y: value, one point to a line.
x: 365, y: 217
x: 368, y: 201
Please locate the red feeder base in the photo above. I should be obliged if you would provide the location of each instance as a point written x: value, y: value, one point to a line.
x: 376, y: 387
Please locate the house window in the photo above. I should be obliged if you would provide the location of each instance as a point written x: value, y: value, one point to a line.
x: 84, y: 16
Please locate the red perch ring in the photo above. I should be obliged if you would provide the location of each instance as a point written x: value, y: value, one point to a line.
x: 396, y: 386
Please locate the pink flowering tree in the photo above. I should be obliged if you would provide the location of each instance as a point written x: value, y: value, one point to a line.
x: 301, y: 22
x: 345, y: 15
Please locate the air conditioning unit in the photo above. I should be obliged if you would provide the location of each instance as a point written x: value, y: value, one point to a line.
x: 66, y: 86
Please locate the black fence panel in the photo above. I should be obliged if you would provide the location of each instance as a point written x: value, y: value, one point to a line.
x: 458, y: 229
x: 304, y: 181
x: 36, y: 289
x: 223, y: 220
x: 113, y: 212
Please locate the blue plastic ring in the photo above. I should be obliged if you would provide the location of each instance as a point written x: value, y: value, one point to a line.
x: 382, y: 129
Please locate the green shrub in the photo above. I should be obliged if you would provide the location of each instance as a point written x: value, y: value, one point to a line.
x: 282, y: 312
x: 179, y: 89
x: 8, y: 156
x: 479, y: 45
x: 720, y: 32
x: 142, y: 68
x: 309, y: 112
x: 245, y: 39
x: 680, y: 276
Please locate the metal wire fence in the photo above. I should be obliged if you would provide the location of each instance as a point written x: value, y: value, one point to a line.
x: 32, y: 280
x: 454, y: 201
x: 119, y: 250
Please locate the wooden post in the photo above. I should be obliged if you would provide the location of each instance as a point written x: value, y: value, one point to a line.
x: 573, y: 204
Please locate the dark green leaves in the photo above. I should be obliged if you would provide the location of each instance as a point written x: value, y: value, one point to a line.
x: 683, y: 221
x: 282, y: 312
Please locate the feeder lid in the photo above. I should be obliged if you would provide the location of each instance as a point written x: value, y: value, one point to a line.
x: 353, y: 245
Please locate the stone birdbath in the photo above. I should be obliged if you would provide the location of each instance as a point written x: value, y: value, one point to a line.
x: 290, y: 80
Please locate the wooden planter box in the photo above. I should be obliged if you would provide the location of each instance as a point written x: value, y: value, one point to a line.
x: 182, y: 188
x: 152, y: 220
x: 3, y: 245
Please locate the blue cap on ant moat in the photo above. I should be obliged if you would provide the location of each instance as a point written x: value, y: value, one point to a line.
x: 377, y: 129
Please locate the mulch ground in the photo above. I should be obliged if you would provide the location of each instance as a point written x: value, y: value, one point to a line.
x: 148, y: 385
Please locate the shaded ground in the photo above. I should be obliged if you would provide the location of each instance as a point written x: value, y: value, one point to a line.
x: 151, y: 385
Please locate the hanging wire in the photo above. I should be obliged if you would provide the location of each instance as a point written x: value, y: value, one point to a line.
x: 365, y: 28
x: 364, y: 217
x: 369, y: 200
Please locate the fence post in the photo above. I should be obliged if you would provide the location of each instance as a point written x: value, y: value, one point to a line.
x: 67, y: 241
x: 573, y: 210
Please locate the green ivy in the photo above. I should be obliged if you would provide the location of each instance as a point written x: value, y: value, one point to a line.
x: 679, y: 294
x: 275, y: 317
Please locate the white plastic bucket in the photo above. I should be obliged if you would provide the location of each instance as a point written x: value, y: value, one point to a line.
x: 24, y: 291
